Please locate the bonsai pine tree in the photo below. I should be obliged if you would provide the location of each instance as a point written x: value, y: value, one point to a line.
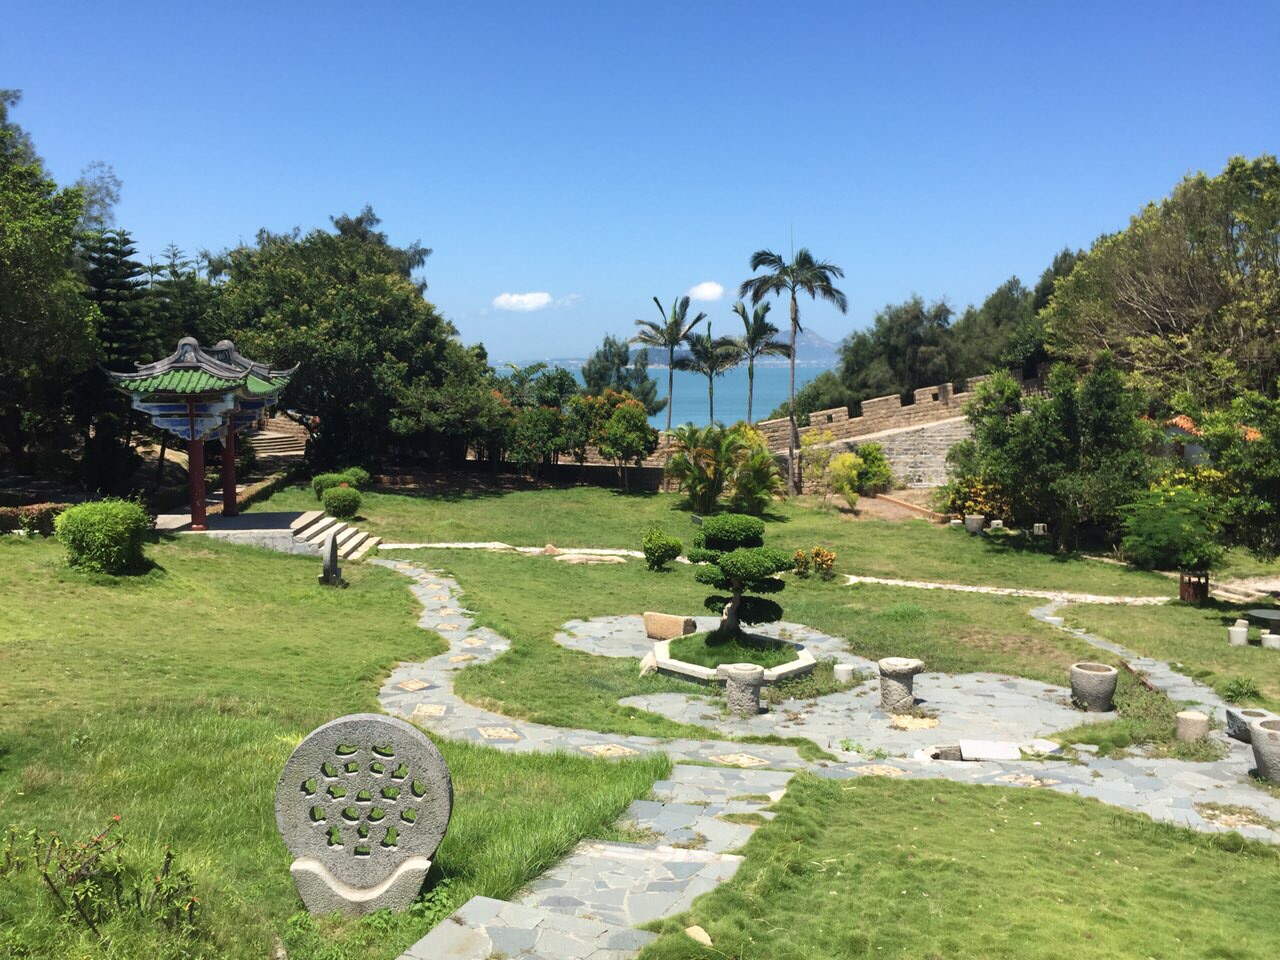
x: 732, y: 547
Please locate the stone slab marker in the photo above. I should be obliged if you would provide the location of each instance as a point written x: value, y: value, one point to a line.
x: 742, y: 687
x: 331, y: 575
x: 362, y: 804
x: 667, y: 626
x: 897, y: 682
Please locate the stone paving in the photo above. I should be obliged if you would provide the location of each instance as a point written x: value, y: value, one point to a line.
x: 1061, y: 595
x: 582, y: 908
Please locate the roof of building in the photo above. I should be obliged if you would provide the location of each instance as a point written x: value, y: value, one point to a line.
x: 193, y: 371
x: 1187, y: 425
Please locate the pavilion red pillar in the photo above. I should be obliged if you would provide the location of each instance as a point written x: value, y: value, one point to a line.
x: 195, y: 474
x: 229, y: 507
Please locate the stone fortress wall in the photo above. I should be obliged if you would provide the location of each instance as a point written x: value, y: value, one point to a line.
x: 930, y: 405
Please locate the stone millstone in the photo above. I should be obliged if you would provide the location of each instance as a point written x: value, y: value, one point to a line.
x: 362, y: 804
x: 1093, y: 686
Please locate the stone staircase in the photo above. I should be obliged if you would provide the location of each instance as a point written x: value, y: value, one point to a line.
x: 313, y: 528
x: 918, y: 455
x: 279, y: 444
x: 588, y: 906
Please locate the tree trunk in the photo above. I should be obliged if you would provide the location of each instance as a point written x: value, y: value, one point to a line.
x: 671, y: 382
x: 751, y: 387
x: 729, y: 617
x: 793, y: 438
x: 711, y: 399
x: 164, y: 445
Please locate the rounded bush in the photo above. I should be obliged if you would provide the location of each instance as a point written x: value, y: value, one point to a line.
x: 358, y: 477
x: 105, y: 535
x: 754, y: 563
x: 660, y: 549
x: 341, y: 502
x: 324, y: 481
x: 729, y: 531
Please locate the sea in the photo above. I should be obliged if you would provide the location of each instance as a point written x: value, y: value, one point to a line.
x: 690, y: 400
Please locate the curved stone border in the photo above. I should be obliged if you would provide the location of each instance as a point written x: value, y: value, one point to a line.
x: 803, y: 664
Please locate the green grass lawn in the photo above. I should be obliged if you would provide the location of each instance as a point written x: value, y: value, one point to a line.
x: 932, y: 870
x: 472, y: 510
x: 1195, y: 637
x: 527, y: 599
x: 172, y: 699
x: 713, y: 649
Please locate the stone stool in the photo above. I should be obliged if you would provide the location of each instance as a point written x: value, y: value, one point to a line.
x: 742, y: 683
x: 1271, y: 641
x: 1238, y: 636
x: 897, y: 677
x: 844, y: 672
x: 1265, y: 735
x: 1093, y: 686
x: 1192, y: 725
x: 974, y: 522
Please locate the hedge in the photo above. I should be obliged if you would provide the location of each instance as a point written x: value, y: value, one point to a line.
x: 731, y: 530
x: 105, y: 536
x: 342, y: 502
x: 36, y: 519
x: 357, y: 477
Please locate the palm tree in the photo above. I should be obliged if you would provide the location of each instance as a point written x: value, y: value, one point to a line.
x: 757, y: 341
x: 803, y: 274
x: 670, y: 333
x: 711, y: 358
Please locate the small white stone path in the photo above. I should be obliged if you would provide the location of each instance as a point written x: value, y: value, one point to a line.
x: 587, y: 905
x: 1059, y: 595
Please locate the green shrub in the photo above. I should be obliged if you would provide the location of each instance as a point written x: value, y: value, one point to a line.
x: 660, y: 549
x: 1240, y: 690
x: 875, y: 475
x: 105, y: 536
x: 358, y: 477
x: 342, y: 502
x: 800, y: 564
x: 38, y: 518
x: 9, y: 520
x: 323, y: 481
x: 843, y: 474
x: 732, y: 546
x: 1172, y: 527
x: 824, y: 563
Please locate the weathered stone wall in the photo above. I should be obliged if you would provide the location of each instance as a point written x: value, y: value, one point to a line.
x: 931, y: 404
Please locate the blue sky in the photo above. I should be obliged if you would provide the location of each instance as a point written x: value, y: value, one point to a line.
x: 598, y: 153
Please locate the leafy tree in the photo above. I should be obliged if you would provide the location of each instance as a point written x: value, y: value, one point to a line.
x: 674, y: 330
x: 803, y: 274
x: 980, y: 339
x: 1243, y: 441
x: 907, y: 348
x: 1188, y: 295
x: 612, y: 367
x: 732, y: 548
x: 627, y: 437
x: 711, y: 357
x: 756, y: 479
x: 1026, y: 346
x: 556, y: 387
x: 1172, y: 526
x: 520, y: 385
x: 49, y: 328
x: 536, y: 437
x: 346, y: 307
x: 1072, y: 458
x: 759, y: 339
x: 463, y: 410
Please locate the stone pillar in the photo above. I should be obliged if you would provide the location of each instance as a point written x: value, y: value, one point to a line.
x: 897, y: 681
x: 1093, y: 686
x: 1265, y: 735
x: 1192, y: 725
x: 195, y: 480
x: 229, y: 506
x: 742, y: 683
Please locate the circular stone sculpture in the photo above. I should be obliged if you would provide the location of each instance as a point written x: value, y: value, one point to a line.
x: 1266, y: 748
x: 1192, y: 725
x: 742, y: 687
x: 1093, y: 686
x: 897, y: 679
x: 362, y: 804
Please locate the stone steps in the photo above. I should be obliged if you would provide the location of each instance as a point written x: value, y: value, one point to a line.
x: 586, y: 907
x: 314, y: 527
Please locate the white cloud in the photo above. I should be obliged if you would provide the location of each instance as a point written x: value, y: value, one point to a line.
x: 570, y: 300
x: 522, y: 301
x: 707, y: 290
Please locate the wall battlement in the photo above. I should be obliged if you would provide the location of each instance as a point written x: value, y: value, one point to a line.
x: 931, y: 404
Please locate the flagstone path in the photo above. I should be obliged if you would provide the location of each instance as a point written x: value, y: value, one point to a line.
x: 587, y: 905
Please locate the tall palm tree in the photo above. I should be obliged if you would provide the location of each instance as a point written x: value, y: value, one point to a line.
x: 757, y: 340
x: 670, y: 333
x: 802, y: 275
x: 711, y: 358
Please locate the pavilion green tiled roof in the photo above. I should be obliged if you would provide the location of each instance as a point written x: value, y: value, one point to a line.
x: 180, y: 382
